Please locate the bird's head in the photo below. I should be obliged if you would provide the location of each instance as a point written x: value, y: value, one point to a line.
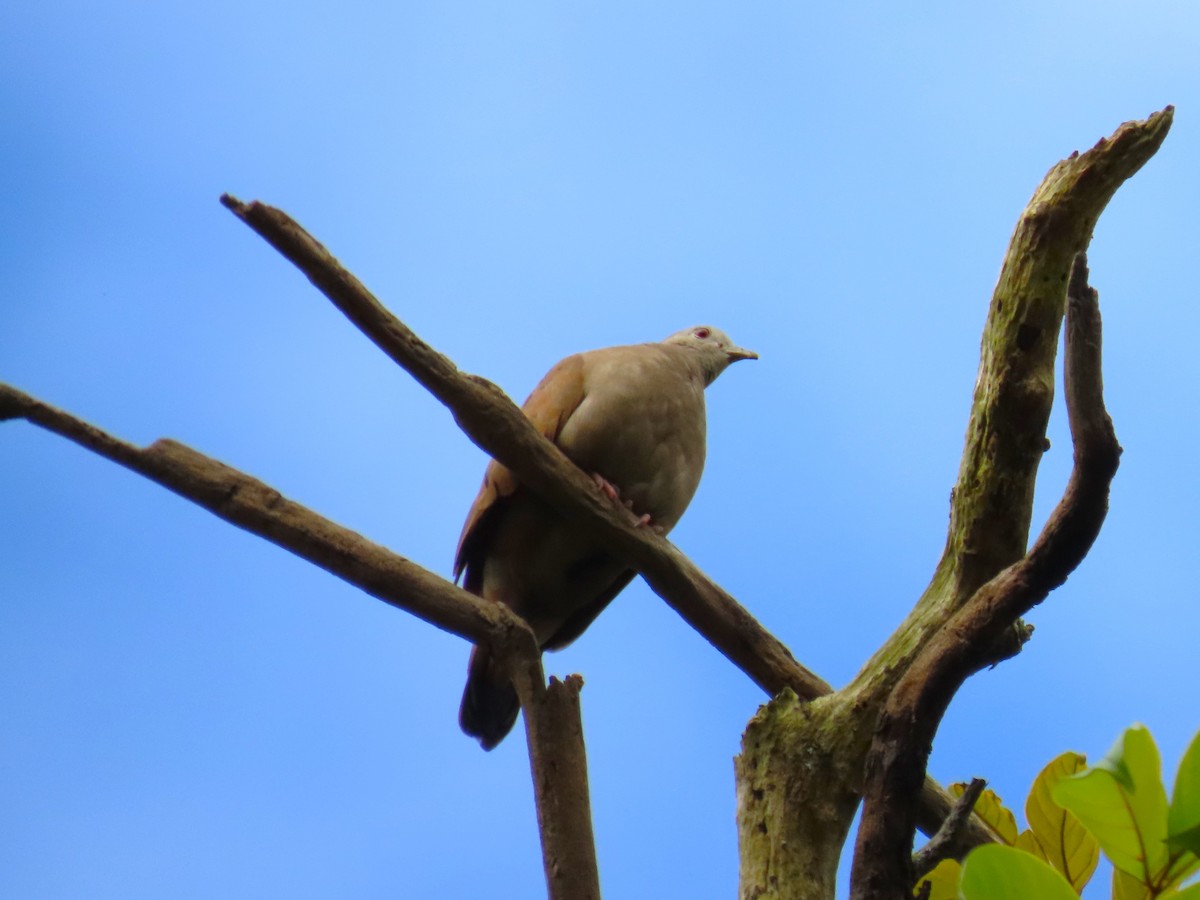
x: 715, y: 347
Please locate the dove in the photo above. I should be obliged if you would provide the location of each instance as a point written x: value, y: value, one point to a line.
x: 633, y: 418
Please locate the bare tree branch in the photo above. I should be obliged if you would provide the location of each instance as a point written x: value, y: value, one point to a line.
x: 497, y: 426
x: 256, y: 507
x: 895, y: 768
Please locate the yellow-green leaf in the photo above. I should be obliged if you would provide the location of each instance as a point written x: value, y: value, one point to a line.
x: 1028, y: 842
x: 1126, y: 887
x: 943, y: 880
x: 992, y: 810
x: 1184, y: 818
x: 996, y: 872
x: 1064, y: 842
x: 1122, y: 802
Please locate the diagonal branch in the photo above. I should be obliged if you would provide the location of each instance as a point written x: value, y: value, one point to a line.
x: 260, y: 509
x: 895, y: 767
x: 497, y: 426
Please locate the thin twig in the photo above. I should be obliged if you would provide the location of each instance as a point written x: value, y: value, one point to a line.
x: 951, y: 840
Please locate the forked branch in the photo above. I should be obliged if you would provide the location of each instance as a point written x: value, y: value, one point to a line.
x: 818, y: 752
x: 895, y: 768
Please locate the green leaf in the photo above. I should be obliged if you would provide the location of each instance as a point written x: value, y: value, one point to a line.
x: 1188, y: 893
x: 996, y: 872
x: 1185, y: 840
x: 992, y: 810
x: 1183, y: 820
x: 943, y: 880
x: 1122, y: 802
x: 1183, y: 864
x: 1060, y: 838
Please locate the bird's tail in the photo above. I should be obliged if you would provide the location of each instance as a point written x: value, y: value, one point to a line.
x: 489, y: 704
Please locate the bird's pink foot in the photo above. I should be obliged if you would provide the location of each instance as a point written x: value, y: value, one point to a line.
x: 610, y: 490
x: 607, y: 488
x: 646, y: 522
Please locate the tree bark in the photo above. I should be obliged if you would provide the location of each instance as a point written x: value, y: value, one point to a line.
x: 791, y: 829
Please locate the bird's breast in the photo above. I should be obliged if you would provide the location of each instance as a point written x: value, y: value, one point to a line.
x: 643, y: 428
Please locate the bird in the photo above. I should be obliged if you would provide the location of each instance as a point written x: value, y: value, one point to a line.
x: 633, y: 418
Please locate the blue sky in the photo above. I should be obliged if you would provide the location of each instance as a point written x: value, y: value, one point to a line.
x: 191, y: 712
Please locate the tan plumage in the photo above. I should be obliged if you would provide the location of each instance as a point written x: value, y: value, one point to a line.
x: 632, y: 415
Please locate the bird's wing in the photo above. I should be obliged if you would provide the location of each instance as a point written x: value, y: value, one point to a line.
x: 579, y: 622
x: 550, y: 405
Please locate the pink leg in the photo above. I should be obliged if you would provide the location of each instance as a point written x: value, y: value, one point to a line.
x: 611, y: 491
x: 607, y: 488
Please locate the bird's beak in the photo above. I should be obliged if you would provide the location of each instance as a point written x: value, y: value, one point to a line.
x: 736, y: 353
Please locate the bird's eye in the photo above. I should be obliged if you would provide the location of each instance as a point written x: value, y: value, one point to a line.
x: 702, y: 333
